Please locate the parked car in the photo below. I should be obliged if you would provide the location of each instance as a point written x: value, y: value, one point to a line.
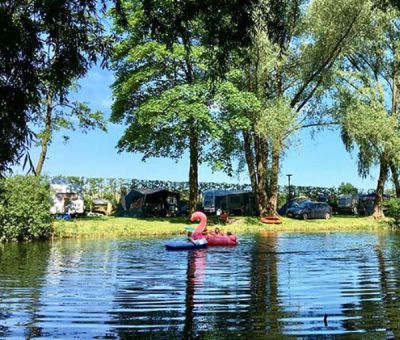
x: 292, y: 203
x: 306, y: 210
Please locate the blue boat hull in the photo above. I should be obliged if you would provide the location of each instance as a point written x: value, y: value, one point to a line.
x: 184, y: 245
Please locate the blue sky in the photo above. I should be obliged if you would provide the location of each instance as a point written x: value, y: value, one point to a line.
x: 316, y: 161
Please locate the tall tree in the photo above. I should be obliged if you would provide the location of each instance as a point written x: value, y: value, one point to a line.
x: 161, y: 89
x: 70, y: 31
x: 367, y: 99
x: 289, y: 66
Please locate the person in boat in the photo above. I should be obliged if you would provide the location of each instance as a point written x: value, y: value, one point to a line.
x: 216, y: 232
x: 224, y: 217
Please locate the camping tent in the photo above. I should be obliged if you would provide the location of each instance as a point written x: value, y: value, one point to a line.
x: 149, y: 202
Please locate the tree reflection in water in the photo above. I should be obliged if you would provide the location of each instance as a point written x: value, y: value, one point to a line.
x: 195, y: 279
x: 245, y: 301
x: 378, y: 291
x: 264, y: 308
x: 271, y: 286
x: 23, y: 267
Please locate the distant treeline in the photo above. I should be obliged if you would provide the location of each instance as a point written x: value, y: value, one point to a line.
x: 107, y: 187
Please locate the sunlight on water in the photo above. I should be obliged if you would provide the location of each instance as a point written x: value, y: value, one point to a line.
x: 270, y: 285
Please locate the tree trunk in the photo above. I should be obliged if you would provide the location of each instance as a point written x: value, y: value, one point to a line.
x: 46, y: 136
x: 273, y: 192
x: 249, y: 155
x: 378, y: 203
x: 193, y: 135
x: 393, y: 167
x: 395, y: 177
x: 257, y: 166
x: 261, y: 166
x: 193, y: 170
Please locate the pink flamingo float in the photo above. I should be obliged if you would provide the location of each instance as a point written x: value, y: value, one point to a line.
x: 213, y: 238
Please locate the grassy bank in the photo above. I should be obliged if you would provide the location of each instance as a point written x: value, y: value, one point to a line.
x: 110, y: 227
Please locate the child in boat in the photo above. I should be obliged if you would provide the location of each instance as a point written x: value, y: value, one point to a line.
x: 217, y: 232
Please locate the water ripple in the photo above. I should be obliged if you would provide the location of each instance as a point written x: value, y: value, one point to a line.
x: 302, y: 285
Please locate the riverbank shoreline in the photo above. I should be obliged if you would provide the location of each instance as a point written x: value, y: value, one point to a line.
x: 115, y: 227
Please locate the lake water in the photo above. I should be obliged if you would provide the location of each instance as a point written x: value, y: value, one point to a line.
x: 271, y: 285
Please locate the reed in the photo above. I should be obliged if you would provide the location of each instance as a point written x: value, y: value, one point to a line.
x: 115, y: 227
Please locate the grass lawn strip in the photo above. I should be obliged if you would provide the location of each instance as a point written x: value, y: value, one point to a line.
x: 113, y: 227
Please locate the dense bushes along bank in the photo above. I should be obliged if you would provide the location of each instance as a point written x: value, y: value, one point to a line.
x: 24, y: 208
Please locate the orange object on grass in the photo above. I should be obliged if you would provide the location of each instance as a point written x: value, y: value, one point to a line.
x: 271, y: 219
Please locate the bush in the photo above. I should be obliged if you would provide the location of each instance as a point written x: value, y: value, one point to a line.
x: 24, y: 208
x: 392, y: 209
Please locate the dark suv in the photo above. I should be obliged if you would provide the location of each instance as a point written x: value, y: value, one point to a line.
x: 306, y: 210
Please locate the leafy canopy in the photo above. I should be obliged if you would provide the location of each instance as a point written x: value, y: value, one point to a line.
x: 69, y: 32
x: 365, y: 98
x: 161, y: 90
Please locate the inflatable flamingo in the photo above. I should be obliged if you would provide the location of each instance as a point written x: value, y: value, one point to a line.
x: 198, y: 231
x: 212, y: 239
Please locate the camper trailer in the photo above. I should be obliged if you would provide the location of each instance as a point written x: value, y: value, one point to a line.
x: 348, y: 203
x: 67, y: 199
x: 236, y: 202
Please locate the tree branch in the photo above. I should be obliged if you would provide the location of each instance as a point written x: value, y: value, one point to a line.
x: 299, y: 126
x: 329, y: 59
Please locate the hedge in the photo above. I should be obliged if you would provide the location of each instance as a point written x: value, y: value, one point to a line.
x: 24, y: 208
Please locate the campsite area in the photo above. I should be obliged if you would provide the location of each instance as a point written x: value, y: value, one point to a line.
x: 200, y: 169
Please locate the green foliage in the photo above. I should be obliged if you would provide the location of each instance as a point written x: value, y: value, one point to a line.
x: 277, y: 119
x: 288, y: 69
x: 163, y: 90
x: 162, y: 124
x: 237, y: 110
x: 24, y: 208
x: 366, y: 105
x: 67, y: 116
x: 70, y: 33
x: 347, y: 188
x: 392, y: 209
x: 225, y: 25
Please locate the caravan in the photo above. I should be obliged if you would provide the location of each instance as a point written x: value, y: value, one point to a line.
x: 235, y: 202
x: 67, y: 199
x: 348, y: 203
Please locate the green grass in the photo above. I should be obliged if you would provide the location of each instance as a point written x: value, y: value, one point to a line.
x: 113, y: 227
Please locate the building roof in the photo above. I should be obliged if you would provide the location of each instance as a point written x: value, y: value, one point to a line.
x: 226, y: 192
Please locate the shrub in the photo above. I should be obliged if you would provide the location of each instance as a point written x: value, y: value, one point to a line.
x: 24, y: 208
x: 392, y: 209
